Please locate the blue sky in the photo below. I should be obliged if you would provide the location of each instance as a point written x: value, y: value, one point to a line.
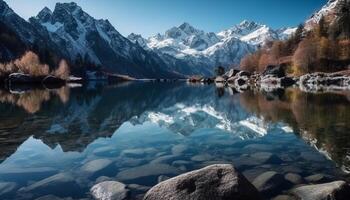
x: 148, y: 17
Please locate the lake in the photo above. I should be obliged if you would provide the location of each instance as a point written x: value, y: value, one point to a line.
x: 61, y: 142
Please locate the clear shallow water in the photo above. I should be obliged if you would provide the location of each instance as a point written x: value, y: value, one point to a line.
x: 61, y: 142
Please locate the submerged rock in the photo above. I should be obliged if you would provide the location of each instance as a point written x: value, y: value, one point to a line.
x: 270, y: 183
x: 62, y: 185
x: 294, y: 178
x: 109, y: 190
x: 7, y: 187
x: 213, y: 182
x: 94, y: 166
x: 338, y: 190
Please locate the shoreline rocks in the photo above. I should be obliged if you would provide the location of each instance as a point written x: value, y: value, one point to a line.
x: 274, y: 77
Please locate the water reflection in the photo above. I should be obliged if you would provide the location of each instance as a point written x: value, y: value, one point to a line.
x: 321, y: 118
x: 139, y: 133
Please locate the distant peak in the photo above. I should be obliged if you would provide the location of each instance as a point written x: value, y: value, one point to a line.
x: 247, y: 23
x: 70, y: 7
x: 187, y: 28
x: 44, y: 13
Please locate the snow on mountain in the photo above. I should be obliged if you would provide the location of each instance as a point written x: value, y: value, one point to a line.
x: 77, y: 34
x: 256, y: 34
x: 327, y: 10
x: 209, y: 49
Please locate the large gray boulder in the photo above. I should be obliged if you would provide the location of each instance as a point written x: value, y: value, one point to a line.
x: 109, y: 190
x: 214, y: 182
x: 338, y: 190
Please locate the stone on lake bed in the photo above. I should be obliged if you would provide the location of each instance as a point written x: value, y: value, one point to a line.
x: 270, y: 183
x: 178, y: 149
x: 62, y: 185
x: 338, y: 190
x: 294, y: 178
x: 317, y: 178
x: 212, y: 182
x: 109, y: 190
x: 96, y: 165
x: 7, y: 187
x: 266, y: 157
x: 152, y: 169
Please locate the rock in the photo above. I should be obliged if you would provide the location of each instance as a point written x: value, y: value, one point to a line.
x: 270, y: 183
x: 61, y: 185
x: 140, y: 188
x: 219, y: 79
x: 213, y: 182
x: 178, y: 149
x: 138, y: 152
x: 52, y: 80
x: 152, y: 169
x: 338, y: 190
x: 312, y: 156
x: 276, y: 71
x: 295, y: 179
x: 22, y: 78
x: 317, y: 178
x: 109, y: 190
x: 95, y: 166
x: 28, y: 173
x: 266, y: 157
x: 7, y: 187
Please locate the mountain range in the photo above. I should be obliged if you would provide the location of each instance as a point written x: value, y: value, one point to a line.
x: 181, y: 51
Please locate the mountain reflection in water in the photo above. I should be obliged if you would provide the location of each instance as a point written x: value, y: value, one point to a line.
x: 136, y: 132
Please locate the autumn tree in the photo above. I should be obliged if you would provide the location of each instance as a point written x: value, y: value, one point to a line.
x: 29, y: 63
x: 63, y: 70
x: 304, y: 56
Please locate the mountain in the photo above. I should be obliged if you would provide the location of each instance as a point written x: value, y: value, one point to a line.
x: 327, y: 11
x: 256, y: 34
x: 78, y: 35
x: 209, y: 49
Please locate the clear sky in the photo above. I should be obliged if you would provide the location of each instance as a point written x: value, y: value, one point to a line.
x: 148, y: 17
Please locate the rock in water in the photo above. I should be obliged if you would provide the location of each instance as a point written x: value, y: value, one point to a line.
x: 338, y: 190
x: 270, y: 183
x: 109, y: 190
x: 213, y: 182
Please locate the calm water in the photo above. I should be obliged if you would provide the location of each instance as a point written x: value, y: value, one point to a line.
x: 61, y: 142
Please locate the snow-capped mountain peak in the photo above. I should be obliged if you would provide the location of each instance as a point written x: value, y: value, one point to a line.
x: 327, y: 10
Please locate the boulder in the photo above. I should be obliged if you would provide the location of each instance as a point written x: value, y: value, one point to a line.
x: 213, y: 182
x: 109, y: 190
x: 338, y: 190
x: 276, y: 71
x: 270, y: 183
x: 22, y: 78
